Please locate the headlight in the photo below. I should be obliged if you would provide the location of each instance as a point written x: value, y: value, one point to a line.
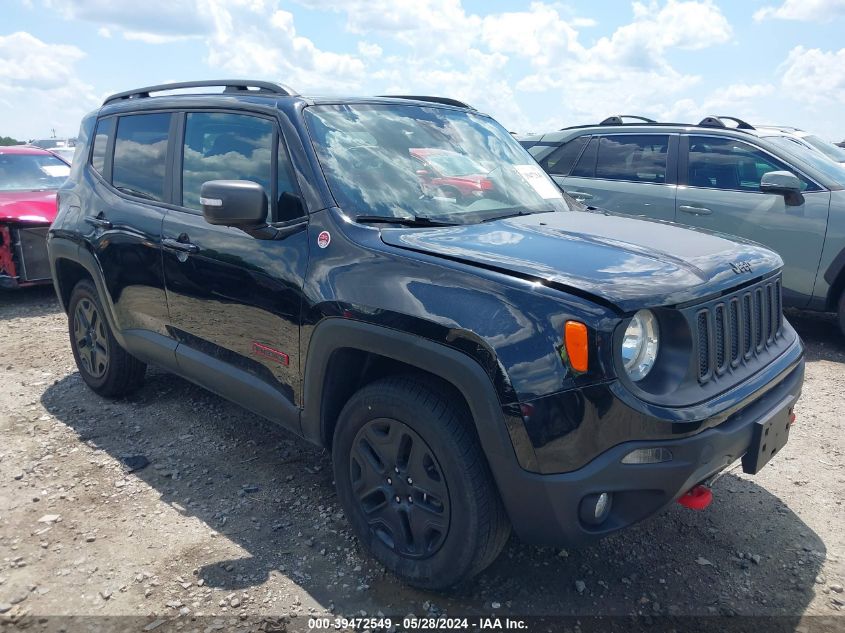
x: 639, y: 347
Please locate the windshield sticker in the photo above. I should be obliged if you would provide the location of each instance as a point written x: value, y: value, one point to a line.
x: 537, y: 178
x: 56, y: 171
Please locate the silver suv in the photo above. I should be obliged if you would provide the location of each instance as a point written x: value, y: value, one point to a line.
x: 719, y: 178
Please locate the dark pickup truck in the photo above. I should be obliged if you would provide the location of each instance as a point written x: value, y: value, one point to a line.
x: 478, y: 351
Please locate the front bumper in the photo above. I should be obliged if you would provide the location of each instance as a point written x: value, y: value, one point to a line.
x: 546, y: 508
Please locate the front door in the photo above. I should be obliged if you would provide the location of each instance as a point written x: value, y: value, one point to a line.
x: 234, y: 299
x: 723, y: 194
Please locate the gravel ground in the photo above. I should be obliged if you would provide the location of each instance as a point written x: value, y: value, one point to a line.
x: 234, y: 518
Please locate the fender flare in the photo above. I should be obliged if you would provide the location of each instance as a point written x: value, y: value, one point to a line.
x: 332, y: 334
x: 835, y: 276
x: 61, y: 248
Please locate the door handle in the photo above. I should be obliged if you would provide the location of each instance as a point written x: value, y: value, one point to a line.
x: 580, y: 195
x: 99, y: 221
x: 179, y: 245
x: 694, y: 210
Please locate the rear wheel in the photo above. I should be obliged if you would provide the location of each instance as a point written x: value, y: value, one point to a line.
x: 415, y: 485
x: 841, y: 313
x: 104, y: 365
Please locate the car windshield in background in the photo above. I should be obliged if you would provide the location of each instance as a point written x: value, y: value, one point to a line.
x: 31, y: 172
x: 407, y: 161
x: 828, y: 167
x: 828, y: 149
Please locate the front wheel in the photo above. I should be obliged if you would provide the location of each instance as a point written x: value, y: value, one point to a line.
x: 104, y: 365
x: 415, y: 485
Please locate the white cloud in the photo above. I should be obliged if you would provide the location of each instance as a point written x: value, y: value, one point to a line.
x: 164, y: 17
x: 368, y: 49
x: 104, y: 32
x: 814, y: 76
x: 39, y: 86
x: 803, y: 10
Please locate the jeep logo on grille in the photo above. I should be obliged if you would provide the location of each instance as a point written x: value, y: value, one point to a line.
x: 741, y: 267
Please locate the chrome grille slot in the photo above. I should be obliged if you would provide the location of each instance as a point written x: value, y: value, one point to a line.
x: 733, y: 330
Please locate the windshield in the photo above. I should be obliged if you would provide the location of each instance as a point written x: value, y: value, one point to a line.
x: 828, y: 149
x: 833, y: 170
x: 376, y: 160
x: 31, y: 172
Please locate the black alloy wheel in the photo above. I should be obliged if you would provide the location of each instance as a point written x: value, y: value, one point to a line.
x: 90, y: 338
x: 400, y: 487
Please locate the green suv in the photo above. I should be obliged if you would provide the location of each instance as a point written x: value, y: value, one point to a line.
x: 714, y: 177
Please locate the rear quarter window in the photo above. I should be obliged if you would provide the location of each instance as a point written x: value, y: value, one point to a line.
x: 105, y: 130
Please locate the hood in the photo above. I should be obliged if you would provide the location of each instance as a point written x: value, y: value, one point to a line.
x: 631, y: 263
x: 28, y: 206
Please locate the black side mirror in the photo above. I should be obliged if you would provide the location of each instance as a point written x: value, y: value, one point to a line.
x: 239, y: 203
x: 784, y: 183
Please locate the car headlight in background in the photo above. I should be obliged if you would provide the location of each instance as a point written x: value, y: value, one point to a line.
x: 639, y: 345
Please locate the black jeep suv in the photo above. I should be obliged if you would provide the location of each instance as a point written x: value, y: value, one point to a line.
x: 477, y: 350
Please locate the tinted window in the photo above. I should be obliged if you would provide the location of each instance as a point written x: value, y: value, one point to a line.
x: 723, y: 163
x: 634, y: 158
x: 586, y: 165
x: 226, y: 147
x: 561, y: 160
x: 105, y: 128
x: 140, y: 148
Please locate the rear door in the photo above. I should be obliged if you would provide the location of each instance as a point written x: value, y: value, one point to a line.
x: 124, y: 216
x: 721, y: 192
x: 235, y: 299
x: 633, y: 174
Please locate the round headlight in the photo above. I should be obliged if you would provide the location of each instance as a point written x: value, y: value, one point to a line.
x: 639, y: 347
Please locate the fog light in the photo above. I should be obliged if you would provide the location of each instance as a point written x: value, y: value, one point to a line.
x: 595, y: 508
x: 648, y: 456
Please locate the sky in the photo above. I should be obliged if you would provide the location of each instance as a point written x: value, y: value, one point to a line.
x: 534, y: 66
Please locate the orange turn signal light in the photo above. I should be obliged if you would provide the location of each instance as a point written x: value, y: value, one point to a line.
x: 577, y: 351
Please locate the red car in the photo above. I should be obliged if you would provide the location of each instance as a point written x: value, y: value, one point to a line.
x: 29, y: 177
x: 451, y: 173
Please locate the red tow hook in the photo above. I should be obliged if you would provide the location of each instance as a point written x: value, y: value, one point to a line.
x: 696, y: 498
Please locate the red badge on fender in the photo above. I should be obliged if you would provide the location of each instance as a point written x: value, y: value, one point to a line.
x: 324, y: 239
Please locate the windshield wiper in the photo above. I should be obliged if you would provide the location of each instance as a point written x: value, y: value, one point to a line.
x: 511, y: 214
x: 136, y: 193
x: 417, y: 220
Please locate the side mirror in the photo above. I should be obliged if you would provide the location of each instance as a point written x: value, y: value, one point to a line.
x: 784, y: 183
x: 238, y: 203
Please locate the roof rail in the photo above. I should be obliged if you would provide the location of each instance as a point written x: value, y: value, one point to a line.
x: 617, y: 119
x: 230, y: 85
x: 443, y: 100
x: 719, y: 121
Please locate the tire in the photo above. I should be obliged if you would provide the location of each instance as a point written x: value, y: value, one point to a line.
x: 841, y: 313
x: 104, y: 365
x: 404, y: 448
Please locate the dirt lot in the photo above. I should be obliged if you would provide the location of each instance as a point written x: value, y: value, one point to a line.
x: 233, y: 516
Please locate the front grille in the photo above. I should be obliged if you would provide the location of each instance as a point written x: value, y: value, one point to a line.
x: 738, y: 327
x: 34, y: 263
